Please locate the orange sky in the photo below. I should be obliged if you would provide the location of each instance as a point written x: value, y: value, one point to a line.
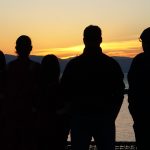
x: 122, y: 48
x: 56, y: 26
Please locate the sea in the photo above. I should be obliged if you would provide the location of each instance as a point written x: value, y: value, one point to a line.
x: 124, y: 121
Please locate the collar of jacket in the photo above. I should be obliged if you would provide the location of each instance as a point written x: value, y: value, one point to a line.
x: 92, y: 50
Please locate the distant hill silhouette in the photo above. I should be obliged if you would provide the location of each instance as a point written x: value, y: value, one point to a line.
x: 124, y: 62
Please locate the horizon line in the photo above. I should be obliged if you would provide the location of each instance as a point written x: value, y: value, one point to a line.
x: 127, y: 48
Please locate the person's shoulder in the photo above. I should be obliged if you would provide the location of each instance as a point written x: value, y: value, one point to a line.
x: 109, y: 59
x: 104, y: 56
x: 112, y: 63
x: 12, y: 63
x: 139, y: 56
x: 74, y: 60
x: 34, y: 64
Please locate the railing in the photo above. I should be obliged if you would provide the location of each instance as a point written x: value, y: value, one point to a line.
x: 126, y: 91
x: 118, y: 146
x: 125, y: 146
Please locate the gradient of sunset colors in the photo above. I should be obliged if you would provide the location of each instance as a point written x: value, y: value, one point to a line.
x: 56, y: 26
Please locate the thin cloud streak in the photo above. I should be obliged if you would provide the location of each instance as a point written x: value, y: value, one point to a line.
x: 122, y: 48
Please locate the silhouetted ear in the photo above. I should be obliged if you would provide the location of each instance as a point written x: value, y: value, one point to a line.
x: 30, y: 48
x: 16, y: 47
x: 101, y: 40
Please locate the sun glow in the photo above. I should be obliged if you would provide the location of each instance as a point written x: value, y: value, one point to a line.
x: 60, y: 52
x: 121, y: 48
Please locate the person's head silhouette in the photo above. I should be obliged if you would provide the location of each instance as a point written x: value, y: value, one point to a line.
x: 23, y: 46
x: 2, y: 61
x: 50, y: 67
x: 145, y: 39
x: 92, y: 36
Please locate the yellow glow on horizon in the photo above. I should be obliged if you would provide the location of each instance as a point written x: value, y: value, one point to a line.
x: 120, y: 48
x: 60, y: 52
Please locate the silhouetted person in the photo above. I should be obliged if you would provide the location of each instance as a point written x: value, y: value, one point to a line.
x: 2, y: 61
x: 49, y: 136
x: 2, y: 94
x: 139, y: 94
x: 22, y: 94
x: 2, y: 78
x: 93, y: 87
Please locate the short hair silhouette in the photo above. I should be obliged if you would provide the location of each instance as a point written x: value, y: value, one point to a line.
x: 92, y: 34
x: 145, y: 35
x: 23, y: 46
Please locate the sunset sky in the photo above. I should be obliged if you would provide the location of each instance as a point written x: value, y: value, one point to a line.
x: 56, y: 26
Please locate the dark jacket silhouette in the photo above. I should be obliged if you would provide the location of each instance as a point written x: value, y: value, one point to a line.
x: 139, y: 82
x: 2, y: 96
x: 22, y: 94
x: 2, y: 78
x: 93, y: 87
